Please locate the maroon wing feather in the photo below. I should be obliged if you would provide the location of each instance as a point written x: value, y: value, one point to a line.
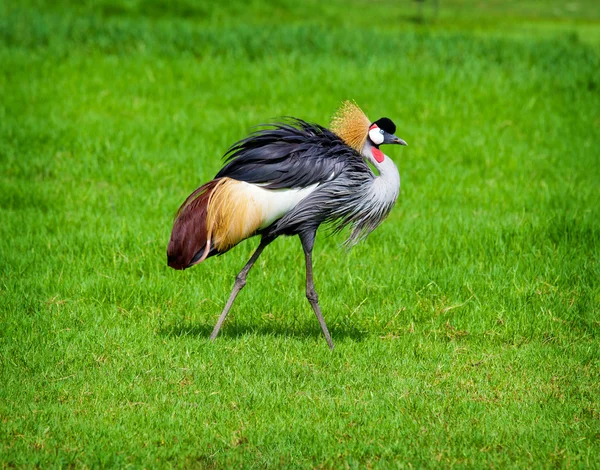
x: 188, y: 238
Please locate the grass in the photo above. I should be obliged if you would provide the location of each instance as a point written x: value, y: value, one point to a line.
x: 466, y: 326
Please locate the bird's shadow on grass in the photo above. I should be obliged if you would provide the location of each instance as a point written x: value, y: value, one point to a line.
x: 237, y: 329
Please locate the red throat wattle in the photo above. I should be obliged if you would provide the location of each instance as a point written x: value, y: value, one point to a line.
x: 378, y: 155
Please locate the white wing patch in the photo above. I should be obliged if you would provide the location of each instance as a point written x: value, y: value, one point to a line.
x: 274, y: 203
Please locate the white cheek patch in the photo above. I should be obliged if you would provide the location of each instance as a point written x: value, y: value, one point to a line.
x: 376, y: 136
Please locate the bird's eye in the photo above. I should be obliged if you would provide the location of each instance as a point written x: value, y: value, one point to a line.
x: 381, y: 131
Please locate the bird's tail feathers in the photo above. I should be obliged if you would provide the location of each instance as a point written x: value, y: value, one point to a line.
x: 189, y: 238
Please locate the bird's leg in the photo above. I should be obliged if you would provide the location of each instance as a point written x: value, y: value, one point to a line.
x: 308, y: 242
x: 240, y: 282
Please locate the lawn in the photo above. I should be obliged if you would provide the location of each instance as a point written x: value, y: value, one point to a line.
x: 467, y: 326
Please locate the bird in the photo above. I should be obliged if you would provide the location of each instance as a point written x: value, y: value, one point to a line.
x: 288, y: 178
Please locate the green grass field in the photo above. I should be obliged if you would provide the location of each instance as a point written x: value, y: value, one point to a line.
x: 467, y: 326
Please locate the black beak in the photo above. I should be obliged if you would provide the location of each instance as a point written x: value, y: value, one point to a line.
x: 398, y: 140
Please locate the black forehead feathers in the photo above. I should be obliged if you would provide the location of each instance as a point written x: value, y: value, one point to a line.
x: 386, y: 124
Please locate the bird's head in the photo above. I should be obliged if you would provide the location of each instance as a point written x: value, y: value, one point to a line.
x: 355, y: 128
x: 382, y: 132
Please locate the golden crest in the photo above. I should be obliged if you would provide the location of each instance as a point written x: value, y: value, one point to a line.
x: 351, y: 124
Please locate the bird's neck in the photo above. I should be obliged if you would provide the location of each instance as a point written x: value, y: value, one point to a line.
x: 384, y: 164
x: 386, y: 186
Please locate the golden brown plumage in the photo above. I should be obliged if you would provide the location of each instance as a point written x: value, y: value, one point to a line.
x: 232, y: 214
x: 351, y: 124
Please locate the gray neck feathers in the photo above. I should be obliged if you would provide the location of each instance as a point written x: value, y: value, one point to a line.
x: 377, y: 197
x: 386, y: 186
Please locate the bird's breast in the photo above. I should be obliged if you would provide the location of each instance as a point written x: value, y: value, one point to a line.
x: 386, y: 186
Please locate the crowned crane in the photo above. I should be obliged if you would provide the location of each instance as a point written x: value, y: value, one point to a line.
x: 288, y: 179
